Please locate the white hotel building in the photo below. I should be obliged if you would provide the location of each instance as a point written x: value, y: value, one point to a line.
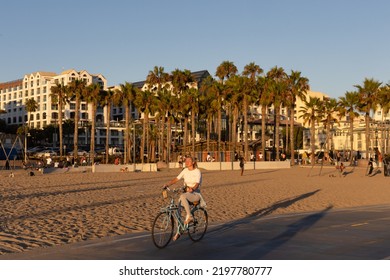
x: 37, y: 85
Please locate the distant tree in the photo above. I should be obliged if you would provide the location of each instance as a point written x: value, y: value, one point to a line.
x: 348, y: 106
x: 312, y: 114
x: 59, y: 96
x: 368, y: 93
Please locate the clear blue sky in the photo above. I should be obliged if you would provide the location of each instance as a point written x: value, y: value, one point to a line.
x: 335, y: 44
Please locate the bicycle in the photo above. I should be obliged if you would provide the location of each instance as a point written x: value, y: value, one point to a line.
x: 169, y: 218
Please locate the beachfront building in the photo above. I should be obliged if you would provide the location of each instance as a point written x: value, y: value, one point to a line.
x: 37, y: 85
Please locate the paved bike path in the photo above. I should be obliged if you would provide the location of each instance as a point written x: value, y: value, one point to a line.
x: 351, y: 234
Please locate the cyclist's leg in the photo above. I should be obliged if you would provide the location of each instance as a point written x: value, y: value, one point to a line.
x: 185, y: 198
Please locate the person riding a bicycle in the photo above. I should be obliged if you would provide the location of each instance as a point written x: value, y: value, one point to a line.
x: 192, y: 180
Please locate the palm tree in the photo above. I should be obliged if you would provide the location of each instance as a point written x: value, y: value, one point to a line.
x: 59, y: 95
x: 106, y: 101
x: 298, y: 86
x: 265, y: 100
x: 93, y: 96
x: 210, y: 105
x: 125, y: 97
x: 76, y: 93
x: 144, y: 101
x: 157, y: 81
x: 279, y: 87
x: 311, y: 114
x: 251, y: 70
x: 193, y: 94
x: 348, y: 106
x: 368, y: 93
x: 224, y: 71
x: 330, y: 108
x: 181, y: 83
x: 30, y: 106
x: 384, y: 103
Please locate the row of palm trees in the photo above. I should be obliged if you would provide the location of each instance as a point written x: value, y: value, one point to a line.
x: 367, y: 98
x: 176, y: 99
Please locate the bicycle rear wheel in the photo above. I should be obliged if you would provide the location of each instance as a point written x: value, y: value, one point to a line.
x: 162, y: 230
x: 198, y: 228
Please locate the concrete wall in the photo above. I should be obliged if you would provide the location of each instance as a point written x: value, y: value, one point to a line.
x: 152, y: 167
x: 236, y: 165
x: 146, y: 167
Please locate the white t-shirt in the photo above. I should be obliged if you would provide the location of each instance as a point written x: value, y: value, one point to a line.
x: 191, y: 177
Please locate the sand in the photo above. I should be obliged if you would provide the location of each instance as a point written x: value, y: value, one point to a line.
x: 66, y: 207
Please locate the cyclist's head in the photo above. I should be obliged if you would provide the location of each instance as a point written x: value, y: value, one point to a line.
x: 190, y: 161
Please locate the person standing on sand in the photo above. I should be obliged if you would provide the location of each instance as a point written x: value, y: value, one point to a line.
x: 180, y: 160
x: 242, y: 164
x: 192, y: 180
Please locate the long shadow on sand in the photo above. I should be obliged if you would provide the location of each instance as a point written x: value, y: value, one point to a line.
x: 260, y: 250
x: 264, y: 212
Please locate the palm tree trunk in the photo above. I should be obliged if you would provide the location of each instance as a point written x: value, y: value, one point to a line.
x: 126, y: 140
x: 185, y: 137
x: 245, y: 132
x: 169, y: 141
x: 287, y: 132
x: 219, y: 134
x: 263, y: 121
x: 142, y: 147
x: 108, y: 129
x: 92, y: 149
x: 328, y: 145
x: 292, y: 144
x: 277, y: 138
x: 76, y: 128
x: 367, y: 121
x: 351, y: 139
x: 60, y: 125
x: 193, y: 132
x: 312, y: 142
x: 234, y: 128
x: 209, y: 123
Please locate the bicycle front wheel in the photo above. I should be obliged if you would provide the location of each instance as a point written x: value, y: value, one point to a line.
x: 162, y: 230
x: 198, y: 228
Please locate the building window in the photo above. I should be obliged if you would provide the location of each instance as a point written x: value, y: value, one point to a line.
x: 54, y: 115
x: 44, y: 115
x: 44, y: 98
x: 84, y: 107
x: 72, y: 106
x: 44, y: 89
x: 38, y: 117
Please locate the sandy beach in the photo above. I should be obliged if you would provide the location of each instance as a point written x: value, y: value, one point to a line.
x: 66, y: 207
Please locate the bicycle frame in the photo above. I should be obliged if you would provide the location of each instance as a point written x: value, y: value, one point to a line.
x: 173, y: 211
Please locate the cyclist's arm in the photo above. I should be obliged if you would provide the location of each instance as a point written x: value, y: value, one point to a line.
x: 173, y: 181
x: 191, y: 189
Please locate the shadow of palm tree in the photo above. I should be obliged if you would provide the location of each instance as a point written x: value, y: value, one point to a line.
x: 291, y: 230
x: 264, y: 212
